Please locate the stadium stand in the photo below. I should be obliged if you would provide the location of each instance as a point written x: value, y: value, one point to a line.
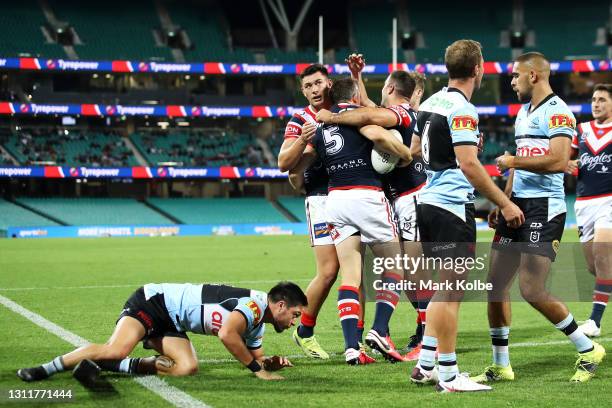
x: 295, y: 205
x: 201, y: 148
x: 12, y: 215
x: 372, y: 31
x: 113, y: 29
x: 96, y: 211
x: 219, y: 210
x: 63, y: 147
x: 22, y: 35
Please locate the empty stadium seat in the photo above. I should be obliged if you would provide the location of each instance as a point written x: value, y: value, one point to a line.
x: 219, y: 210
x: 295, y: 205
x: 12, y: 215
x: 97, y: 211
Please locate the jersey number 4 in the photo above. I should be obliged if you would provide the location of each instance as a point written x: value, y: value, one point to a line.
x: 333, y: 140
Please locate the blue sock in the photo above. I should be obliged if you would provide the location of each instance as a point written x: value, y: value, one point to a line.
x: 570, y: 328
x: 305, y: 331
x: 348, y: 311
x: 499, y: 341
x: 54, y: 366
x: 447, y: 366
x: 601, y: 294
x: 386, y: 300
x: 427, y: 356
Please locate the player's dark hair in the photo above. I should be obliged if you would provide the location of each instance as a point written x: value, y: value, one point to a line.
x: 531, y: 55
x: 461, y: 57
x: 313, y: 69
x: 343, y: 90
x: 604, y: 87
x: 403, y: 82
x: 289, y: 292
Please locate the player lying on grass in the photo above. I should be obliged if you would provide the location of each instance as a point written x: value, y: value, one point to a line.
x: 161, y: 314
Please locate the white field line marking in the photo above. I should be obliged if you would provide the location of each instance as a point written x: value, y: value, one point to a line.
x: 136, y: 285
x: 515, y: 345
x: 168, y: 392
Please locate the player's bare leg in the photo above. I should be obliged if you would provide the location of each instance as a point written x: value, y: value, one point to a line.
x: 177, y: 358
x: 598, y: 254
x: 349, y: 256
x: 127, y: 334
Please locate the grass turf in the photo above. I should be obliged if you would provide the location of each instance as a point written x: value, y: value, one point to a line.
x: 81, y: 285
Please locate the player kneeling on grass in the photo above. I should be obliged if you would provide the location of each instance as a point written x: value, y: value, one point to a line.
x: 161, y: 314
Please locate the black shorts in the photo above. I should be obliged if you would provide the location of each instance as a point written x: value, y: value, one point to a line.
x: 444, y: 234
x: 152, y: 314
x: 537, y: 235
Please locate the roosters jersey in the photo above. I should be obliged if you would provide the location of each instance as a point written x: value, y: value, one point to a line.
x: 445, y: 120
x: 346, y: 155
x: 403, y: 180
x: 203, y: 309
x: 315, y: 177
x: 532, y: 133
x: 594, y: 145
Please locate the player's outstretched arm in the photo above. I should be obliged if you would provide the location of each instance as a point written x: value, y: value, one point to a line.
x: 296, y: 174
x: 555, y: 161
x: 292, y: 149
x: 359, y: 117
x: 385, y: 141
x: 479, y: 178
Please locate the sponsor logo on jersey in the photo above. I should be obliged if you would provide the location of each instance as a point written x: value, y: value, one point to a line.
x: 561, y: 120
x: 255, y: 309
x: 293, y: 130
x: 216, y: 322
x: 464, y: 123
x: 527, y: 151
x: 320, y: 230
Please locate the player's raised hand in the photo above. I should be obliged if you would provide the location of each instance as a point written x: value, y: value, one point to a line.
x: 324, y: 116
x: 308, y: 132
x: 276, y: 363
x: 493, y: 218
x: 355, y: 63
x: 513, y: 215
x: 268, y: 376
x: 572, y: 167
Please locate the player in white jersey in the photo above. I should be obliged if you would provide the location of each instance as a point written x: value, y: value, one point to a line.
x: 543, y: 132
x: 161, y: 314
x: 593, y: 146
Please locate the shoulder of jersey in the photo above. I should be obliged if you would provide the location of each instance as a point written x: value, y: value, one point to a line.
x: 257, y: 303
x: 454, y: 101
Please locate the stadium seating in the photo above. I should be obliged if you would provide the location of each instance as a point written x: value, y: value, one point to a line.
x: 21, y: 31
x: 12, y: 215
x: 219, y: 210
x: 113, y: 29
x: 97, y: 211
x: 295, y: 205
x: 76, y: 148
x: 210, y: 148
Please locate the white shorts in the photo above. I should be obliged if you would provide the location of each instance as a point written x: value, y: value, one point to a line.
x: 359, y: 210
x: 404, y: 208
x: 317, y: 221
x: 592, y: 214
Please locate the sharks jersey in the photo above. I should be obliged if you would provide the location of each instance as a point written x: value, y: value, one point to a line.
x: 532, y: 133
x: 594, y: 145
x: 203, y: 309
x: 445, y: 120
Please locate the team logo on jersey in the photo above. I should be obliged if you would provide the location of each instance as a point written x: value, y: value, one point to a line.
x: 561, y: 120
x: 320, y: 230
x: 534, y: 236
x: 255, y: 309
x: 465, y: 122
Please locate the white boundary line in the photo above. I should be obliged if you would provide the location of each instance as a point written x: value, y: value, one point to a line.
x: 154, y: 384
x: 136, y: 285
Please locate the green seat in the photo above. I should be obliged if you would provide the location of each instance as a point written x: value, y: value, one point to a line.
x: 295, y: 205
x: 12, y: 215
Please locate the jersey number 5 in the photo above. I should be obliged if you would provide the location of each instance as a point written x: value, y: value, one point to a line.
x: 425, y: 142
x: 333, y: 140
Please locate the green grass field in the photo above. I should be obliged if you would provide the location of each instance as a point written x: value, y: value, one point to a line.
x: 81, y: 285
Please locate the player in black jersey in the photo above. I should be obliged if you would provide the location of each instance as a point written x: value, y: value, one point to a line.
x: 357, y: 212
x: 401, y: 96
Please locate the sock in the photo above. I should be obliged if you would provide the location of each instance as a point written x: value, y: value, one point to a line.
x: 601, y: 294
x: 360, y: 325
x: 348, y: 311
x: 54, y: 366
x: 427, y: 356
x: 386, y: 300
x: 306, y: 327
x: 570, y: 328
x: 499, y: 341
x: 447, y: 366
x: 127, y: 365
